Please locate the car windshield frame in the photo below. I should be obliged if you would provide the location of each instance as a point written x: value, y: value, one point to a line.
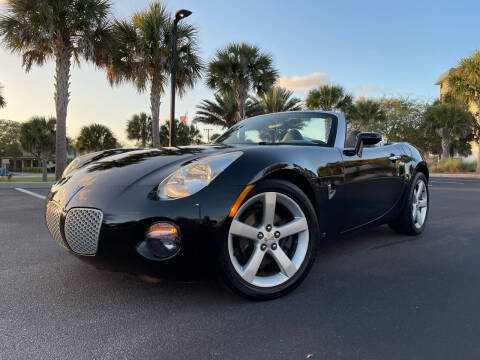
x: 284, y: 116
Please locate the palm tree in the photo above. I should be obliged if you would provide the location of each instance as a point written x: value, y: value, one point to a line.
x: 139, y: 127
x: 464, y: 83
x: 37, y: 136
x: 368, y: 115
x: 95, y: 137
x: 185, y: 134
x: 449, y: 119
x: 142, y: 55
x: 329, y: 98
x: 223, y: 111
x: 239, y: 69
x: 278, y: 99
x: 42, y: 30
x: 3, y: 103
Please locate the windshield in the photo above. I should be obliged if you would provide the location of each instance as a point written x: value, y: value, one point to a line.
x: 295, y: 128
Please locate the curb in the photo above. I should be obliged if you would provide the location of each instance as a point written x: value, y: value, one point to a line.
x: 26, y: 185
x: 456, y: 175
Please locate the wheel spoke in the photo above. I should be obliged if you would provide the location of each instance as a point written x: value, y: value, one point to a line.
x: 414, y: 213
x: 293, y: 227
x: 418, y: 217
x: 422, y: 203
x: 269, y: 203
x: 284, y: 263
x: 251, y: 267
x: 420, y: 190
x: 241, y: 229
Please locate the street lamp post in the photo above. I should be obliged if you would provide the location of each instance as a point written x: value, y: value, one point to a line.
x: 179, y: 15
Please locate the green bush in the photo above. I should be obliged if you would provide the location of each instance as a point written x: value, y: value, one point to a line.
x: 452, y: 165
x: 35, y: 169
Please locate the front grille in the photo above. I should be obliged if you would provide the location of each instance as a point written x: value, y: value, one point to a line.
x: 82, y: 229
x: 53, y: 216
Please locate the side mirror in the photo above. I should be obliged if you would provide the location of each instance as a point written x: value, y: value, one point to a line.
x: 366, y: 139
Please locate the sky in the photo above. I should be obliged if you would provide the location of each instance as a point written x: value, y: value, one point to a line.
x: 372, y: 48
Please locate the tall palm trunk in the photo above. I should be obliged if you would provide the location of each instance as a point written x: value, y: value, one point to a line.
x: 241, y: 97
x: 62, y: 69
x: 44, y: 168
x: 445, y: 135
x: 155, y: 108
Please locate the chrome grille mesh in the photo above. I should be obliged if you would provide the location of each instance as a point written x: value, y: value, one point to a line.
x: 82, y: 228
x: 53, y: 216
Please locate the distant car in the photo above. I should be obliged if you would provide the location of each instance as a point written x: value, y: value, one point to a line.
x: 256, y: 201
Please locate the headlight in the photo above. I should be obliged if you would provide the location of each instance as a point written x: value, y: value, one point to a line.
x: 195, y: 176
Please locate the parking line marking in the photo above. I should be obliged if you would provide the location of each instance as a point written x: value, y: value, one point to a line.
x: 447, y: 182
x: 31, y: 193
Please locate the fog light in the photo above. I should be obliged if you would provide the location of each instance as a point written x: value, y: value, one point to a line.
x: 162, y: 241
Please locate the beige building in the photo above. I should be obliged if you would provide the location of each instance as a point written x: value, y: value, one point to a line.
x: 442, y: 81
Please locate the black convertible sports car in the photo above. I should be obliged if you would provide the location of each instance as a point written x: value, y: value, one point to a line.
x: 256, y: 202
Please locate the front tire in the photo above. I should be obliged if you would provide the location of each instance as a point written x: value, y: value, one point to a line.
x: 271, y: 241
x: 413, y: 217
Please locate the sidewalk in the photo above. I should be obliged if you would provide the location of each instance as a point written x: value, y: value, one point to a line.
x: 465, y: 175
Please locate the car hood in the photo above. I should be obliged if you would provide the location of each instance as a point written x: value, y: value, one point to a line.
x: 113, y: 171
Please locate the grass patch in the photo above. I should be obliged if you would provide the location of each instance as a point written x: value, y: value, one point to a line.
x: 452, y: 165
x: 25, y: 179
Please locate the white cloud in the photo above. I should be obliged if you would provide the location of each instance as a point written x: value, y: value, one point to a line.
x: 367, y: 90
x: 300, y: 83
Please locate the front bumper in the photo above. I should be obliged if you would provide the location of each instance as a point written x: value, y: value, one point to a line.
x: 107, y: 233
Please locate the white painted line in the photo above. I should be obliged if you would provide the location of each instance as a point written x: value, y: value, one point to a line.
x: 31, y: 193
x: 447, y: 182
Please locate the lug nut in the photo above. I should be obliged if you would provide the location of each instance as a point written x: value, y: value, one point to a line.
x: 277, y: 234
x: 269, y: 227
x: 263, y: 247
x: 260, y: 236
x: 274, y: 246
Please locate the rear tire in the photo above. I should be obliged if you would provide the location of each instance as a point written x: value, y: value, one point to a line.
x: 413, y: 217
x: 270, y: 249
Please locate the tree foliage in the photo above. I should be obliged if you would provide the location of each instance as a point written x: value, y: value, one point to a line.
x: 185, y: 134
x: 404, y: 121
x: 278, y: 99
x: 240, y: 68
x: 59, y: 30
x: 139, y: 128
x: 37, y: 136
x: 9, y: 135
x: 95, y: 137
x: 142, y: 54
x: 367, y: 115
x: 329, y: 98
x: 3, y: 102
x: 223, y: 110
x: 464, y: 81
x: 464, y: 85
x: 451, y: 121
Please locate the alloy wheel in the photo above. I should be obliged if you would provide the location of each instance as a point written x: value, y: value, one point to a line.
x: 268, y: 239
x: 419, y: 204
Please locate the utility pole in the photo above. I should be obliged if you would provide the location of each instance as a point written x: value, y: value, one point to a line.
x: 208, y: 134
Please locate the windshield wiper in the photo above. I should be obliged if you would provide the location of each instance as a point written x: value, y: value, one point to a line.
x: 267, y: 143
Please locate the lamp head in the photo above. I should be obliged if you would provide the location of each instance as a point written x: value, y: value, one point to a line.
x: 181, y: 14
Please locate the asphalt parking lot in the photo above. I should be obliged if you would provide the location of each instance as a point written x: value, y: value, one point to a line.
x: 377, y: 295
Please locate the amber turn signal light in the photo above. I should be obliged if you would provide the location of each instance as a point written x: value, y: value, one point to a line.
x: 162, y: 230
x: 239, y: 200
